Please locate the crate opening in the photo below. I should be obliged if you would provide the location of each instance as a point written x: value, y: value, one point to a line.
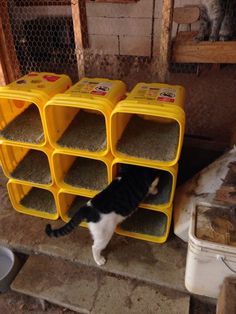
x: 39, y: 200
x: 88, y: 174
x: 76, y: 204
x: 150, y: 138
x: 25, y: 127
x: 34, y: 167
x: 87, y: 131
x: 164, y: 189
x: 146, y: 222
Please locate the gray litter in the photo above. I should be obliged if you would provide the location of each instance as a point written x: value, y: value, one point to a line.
x: 87, y: 173
x: 34, y: 167
x: 39, y: 199
x: 87, y: 131
x: 149, y: 139
x: 27, y: 127
x: 146, y: 222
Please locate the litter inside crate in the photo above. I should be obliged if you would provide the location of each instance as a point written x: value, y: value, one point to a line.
x: 77, y: 203
x: 164, y: 191
x: 146, y: 222
x: 39, y: 199
x: 34, y: 167
x: 87, y: 131
x: 216, y: 224
x: 149, y: 139
x: 88, y: 174
x: 27, y: 127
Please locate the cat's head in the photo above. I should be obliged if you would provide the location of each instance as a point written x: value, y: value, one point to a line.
x: 144, y: 173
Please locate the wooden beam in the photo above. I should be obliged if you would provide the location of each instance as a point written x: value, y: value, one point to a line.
x: 226, y: 303
x: 186, y: 50
x: 10, y: 68
x: 166, y: 29
x: 114, y: 1
x: 78, y: 8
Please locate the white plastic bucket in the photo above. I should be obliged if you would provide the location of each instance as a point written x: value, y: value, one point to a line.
x: 9, y: 266
x: 207, y: 263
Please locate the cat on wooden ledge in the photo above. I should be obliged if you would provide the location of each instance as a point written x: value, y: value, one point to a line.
x: 217, y: 20
x: 111, y: 206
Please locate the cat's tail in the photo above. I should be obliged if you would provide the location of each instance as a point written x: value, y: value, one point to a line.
x: 68, y: 227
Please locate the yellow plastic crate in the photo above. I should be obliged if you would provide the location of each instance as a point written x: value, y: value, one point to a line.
x: 27, y: 165
x: 78, y: 120
x: 147, y: 225
x: 69, y: 203
x: 21, y: 107
x: 79, y: 174
x: 148, y: 126
x: 166, y: 185
x: 32, y: 200
x: 137, y: 226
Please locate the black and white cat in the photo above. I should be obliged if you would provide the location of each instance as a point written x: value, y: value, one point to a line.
x: 217, y: 20
x: 111, y: 206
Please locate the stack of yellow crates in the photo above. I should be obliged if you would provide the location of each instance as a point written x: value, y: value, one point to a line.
x: 87, y: 132
x: 25, y: 151
x: 147, y: 129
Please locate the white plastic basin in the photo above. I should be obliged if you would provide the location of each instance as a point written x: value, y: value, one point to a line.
x: 8, y: 268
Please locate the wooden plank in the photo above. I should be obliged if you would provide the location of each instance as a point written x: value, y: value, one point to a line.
x: 78, y: 8
x: 9, y: 62
x: 186, y: 50
x: 114, y: 1
x: 165, y: 40
x: 226, y: 303
x: 28, y: 3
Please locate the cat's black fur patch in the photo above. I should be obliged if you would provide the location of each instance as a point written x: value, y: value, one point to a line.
x: 122, y: 196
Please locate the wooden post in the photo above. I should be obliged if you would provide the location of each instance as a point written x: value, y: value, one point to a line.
x: 165, y: 41
x: 227, y: 299
x: 9, y: 65
x: 78, y: 8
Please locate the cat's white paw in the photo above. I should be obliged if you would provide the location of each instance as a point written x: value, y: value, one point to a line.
x: 100, y: 261
x: 153, y: 191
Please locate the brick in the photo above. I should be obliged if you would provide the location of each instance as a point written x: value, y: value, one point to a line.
x: 108, y: 44
x: 135, y: 45
x: 119, y: 26
x: 142, y: 8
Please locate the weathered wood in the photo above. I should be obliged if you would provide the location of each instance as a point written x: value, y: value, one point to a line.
x: 227, y: 299
x: 114, y: 1
x: 201, y: 188
x: 78, y: 8
x: 165, y: 40
x: 227, y: 191
x: 9, y: 62
x: 186, y: 50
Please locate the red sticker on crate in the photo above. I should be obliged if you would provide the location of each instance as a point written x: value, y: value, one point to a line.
x: 167, y: 95
x: 51, y: 78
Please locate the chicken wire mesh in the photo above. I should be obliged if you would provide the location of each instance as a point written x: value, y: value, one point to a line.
x: 44, y: 37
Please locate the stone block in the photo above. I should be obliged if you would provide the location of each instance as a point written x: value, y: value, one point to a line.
x: 119, y: 26
x: 135, y: 45
x: 142, y: 8
x: 107, y: 43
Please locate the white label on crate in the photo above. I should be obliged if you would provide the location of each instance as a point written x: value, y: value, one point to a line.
x: 167, y: 95
x: 102, y: 89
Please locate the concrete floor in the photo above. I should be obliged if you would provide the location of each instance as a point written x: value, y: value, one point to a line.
x: 162, y: 265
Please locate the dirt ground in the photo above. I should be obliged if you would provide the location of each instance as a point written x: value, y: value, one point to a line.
x: 12, y: 302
